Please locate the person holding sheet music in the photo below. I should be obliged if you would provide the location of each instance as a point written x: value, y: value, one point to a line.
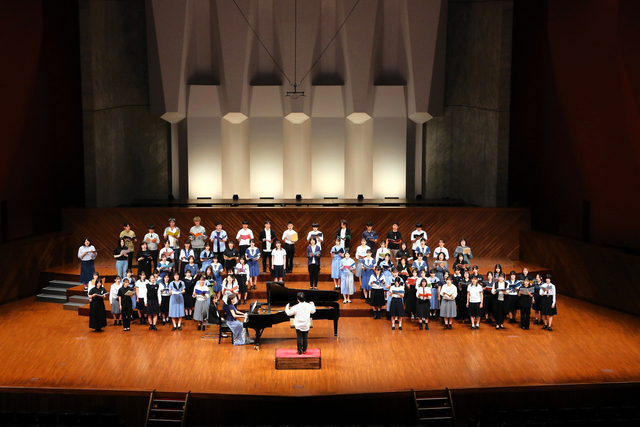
x: 440, y: 265
x: 536, y: 301
x: 152, y: 240
x: 512, y: 296
x: 189, y: 283
x: 448, y: 295
x: 382, y: 251
x: 206, y: 257
x: 410, y: 302
x: 165, y: 294
x: 278, y: 261
x: 378, y: 287
x: 404, y: 269
x: 460, y: 264
x: 419, y: 264
x: 423, y: 249
x: 141, y: 295
x: 394, y: 238
x: 525, y: 298
x: 396, y: 308
x: 387, y: 266
x: 168, y: 252
x: 500, y: 290
x: 241, y: 272
x: 231, y: 256
x: 442, y: 249
x: 97, y: 313
x: 116, y: 312
x: 435, y: 290
x: 152, y: 303
x: 87, y: 254
x: 120, y: 254
x: 192, y: 267
x: 461, y: 301
x: 404, y: 252
x: 201, y: 294
x: 361, y: 254
x: 423, y: 300
x: 145, y: 259
x: 164, y: 267
x: 488, y: 297
x: 216, y: 271
x: 126, y: 303
x: 464, y: 250
x: 367, y: 270
x: 229, y: 287
x: 267, y: 236
x: 129, y: 237
x: 417, y: 236
x: 244, y: 237
x: 315, y: 232
x: 337, y: 253
x: 548, y: 307
x: 302, y: 312
x: 313, y: 262
x: 185, y: 254
x: 172, y: 234
x: 176, y: 303
x: 347, y: 267
x: 218, y: 240
x: 344, y: 235
x: 475, y: 298
x: 252, y: 254
x: 289, y: 237
x: 370, y: 236
x: 197, y: 235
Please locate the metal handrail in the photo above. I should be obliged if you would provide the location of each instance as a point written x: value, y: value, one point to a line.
x: 453, y: 412
x: 146, y: 421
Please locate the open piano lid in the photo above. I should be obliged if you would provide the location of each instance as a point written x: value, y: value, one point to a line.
x: 277, y: 294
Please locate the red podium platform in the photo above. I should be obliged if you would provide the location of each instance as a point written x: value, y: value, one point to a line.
x: 288, y: 358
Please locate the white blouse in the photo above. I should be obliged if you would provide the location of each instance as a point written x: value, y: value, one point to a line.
x: 449, y: 292
x: 474, y: 293
x: 278, y: 256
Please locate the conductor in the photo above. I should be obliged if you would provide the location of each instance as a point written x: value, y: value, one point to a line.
x: 302, y: 312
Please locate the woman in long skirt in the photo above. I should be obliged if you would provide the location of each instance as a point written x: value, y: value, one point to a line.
x: 189, y: 302
x: 338, y: 253
x: 97, y: 313
x: 165, y: 293
x: 347, y: 288
x: 216, y: 270
x: 435, y: 291
x: 376, y: 281
x: 500, y: 292
x: 488, y: 298
x: 410, y: 302
x: 423, y: 300
x: 153, y: 302
x: 236, y: 326
x: 115, y: 303
x: 548, y: 307
x: 448, y: 295
x: 201, y: 293
x: 396, y: 307
x: 361, y: 254
x: 176, y: 304
x: 253, y: 255
x: 87, y: 255
x: 367, y: 271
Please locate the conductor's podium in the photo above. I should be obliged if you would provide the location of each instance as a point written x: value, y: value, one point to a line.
x: 288, y: 358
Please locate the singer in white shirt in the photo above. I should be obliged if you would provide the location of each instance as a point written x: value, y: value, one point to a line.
x: 302, y: 312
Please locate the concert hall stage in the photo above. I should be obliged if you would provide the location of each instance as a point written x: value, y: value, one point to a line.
x: 46, y: 346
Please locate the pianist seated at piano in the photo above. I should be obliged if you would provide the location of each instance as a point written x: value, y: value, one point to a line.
x: 235, y: 319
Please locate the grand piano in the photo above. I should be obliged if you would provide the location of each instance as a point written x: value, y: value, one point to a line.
x: 278, y: 297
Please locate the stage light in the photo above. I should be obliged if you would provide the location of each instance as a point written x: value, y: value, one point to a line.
x: 235, y: 197
x: 266, y: 198
x: 394, y: 197
x: 360, y: 197
x: 331, y: 197
x: 298, y: 196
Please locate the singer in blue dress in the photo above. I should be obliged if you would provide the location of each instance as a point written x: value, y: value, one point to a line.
x: 386, y: 267
x: 252, y: 254
x: 338, y: 253
x: 176, y: 303
x: 347, y: 267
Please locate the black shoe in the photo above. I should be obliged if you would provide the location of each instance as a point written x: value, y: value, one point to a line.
x: 501, y: 326
x: 119, y: 322
x: 550, y: 329
x: 203, y: 328
x: 421, y: 327
x: 199, y: 327
x: 426, y: 326
x: 393, y: 327
x: 497, y: 327
x: 400, y: 327
x: 179, y: 328
x: 535, y: 322
x: 299, y: 351
x: 174, y: 328
x: 304, y: 351
x: 115, y: 323
x: 151, y: 327
x: 545, y: 327
x: 512, y: 321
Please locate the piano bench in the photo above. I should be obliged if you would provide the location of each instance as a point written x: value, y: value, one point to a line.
x: 224, y: 329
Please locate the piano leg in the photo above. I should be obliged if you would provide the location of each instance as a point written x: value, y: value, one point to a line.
x: 256, y: 342
x: 335, y: 329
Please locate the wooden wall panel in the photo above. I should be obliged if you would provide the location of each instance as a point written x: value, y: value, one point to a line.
x: 22, y: 261
x: 597, y: 274
x: 490, y: 232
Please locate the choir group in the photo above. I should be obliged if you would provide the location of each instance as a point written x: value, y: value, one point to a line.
x: 175, y: 282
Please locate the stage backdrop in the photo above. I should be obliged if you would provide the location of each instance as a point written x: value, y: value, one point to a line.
x: 490, y: 232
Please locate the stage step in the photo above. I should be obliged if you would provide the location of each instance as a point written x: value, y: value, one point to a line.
x: 46, y: 297
x: 434, y: 409
x: 73, y: 306
x: 63, y: 284
x: 56, y: 292
x: 167, y: 410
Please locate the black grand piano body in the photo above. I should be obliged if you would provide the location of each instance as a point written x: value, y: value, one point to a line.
x: 277, y: 295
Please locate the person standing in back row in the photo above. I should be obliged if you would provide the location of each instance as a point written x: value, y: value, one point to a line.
x: 129, y: 237
x: 197, y: 235
x: 394, y: 238
x: 267, y: 237
x: 289, y: 237
x: 302, y: 312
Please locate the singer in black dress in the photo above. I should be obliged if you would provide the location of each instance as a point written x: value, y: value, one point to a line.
x: 97, y: 313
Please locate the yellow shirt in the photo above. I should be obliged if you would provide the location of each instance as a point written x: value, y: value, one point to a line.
x: 129, y: 234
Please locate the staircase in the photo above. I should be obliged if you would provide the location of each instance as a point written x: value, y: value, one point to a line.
x: 435, y: 408
x: 167, y: 409
x: 56, y: 291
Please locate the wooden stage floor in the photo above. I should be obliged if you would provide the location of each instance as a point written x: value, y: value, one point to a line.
x: 43, y: 345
